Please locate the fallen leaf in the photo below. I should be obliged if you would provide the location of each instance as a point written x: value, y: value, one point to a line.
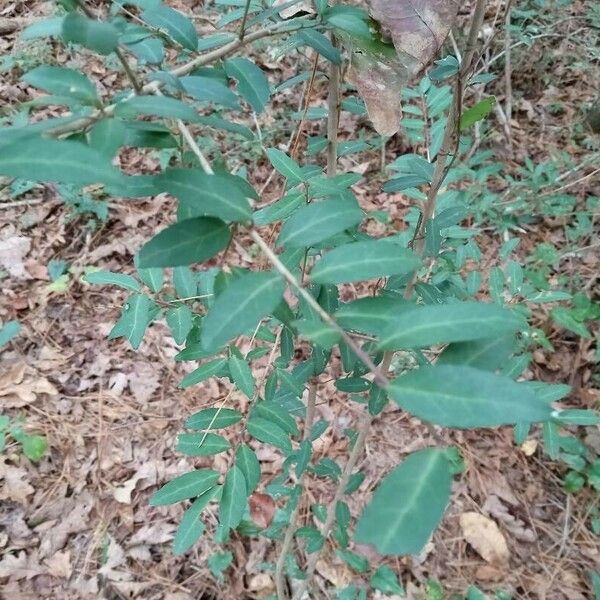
x: 59, y: 565
x: 12, y: 252
x: 14, y: 486
x: 262, y: 509
x: 529, y: 447
x: 20, y: 385
x: 485, y: 537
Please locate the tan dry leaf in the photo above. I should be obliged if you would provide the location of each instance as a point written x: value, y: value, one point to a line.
x: 517, y: 528
x: 528, y: 447
x: 12, y: 252
x: 485, y: 537
x: 262, y: 509
x: 20, y: 566
x: 339, y: 575
x: 59, y: 565
x: 14, y: 487
x: 20, y: 385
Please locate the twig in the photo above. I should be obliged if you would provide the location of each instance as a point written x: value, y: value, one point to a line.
x: 291, y: 527
x: 508, y: 77
x: 244, y: 19
x: 379, y: 378
x: 359, y: 445
x: 333, y: 106
x: 199, y: 61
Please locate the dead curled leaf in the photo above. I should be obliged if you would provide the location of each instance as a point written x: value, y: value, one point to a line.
x: 20, y: 385
x: 262, y: 509
x: 485, y: 537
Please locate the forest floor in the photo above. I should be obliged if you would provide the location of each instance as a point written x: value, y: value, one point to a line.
x: 78, y: 524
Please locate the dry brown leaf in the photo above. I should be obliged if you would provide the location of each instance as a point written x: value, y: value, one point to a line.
x: 485, y: 537
x: 14, y: 487
x: 339, y: 575
x: 517, y: 528
x: 59, y: 565
x: 20, y: 385
x: 12, y: 252
x: 262, y: 509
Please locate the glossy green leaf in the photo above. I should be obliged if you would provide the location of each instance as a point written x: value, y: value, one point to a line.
x: 96, y: 35
x: 321, y: 44
x: 188, y: 485
x: 191, y: 527
x: 107, y: 136
x: 385, y: 580
x: 64, y: 161
x: 488, y: 354
x: 241, y: 306
x: 201, y: 444
x: 268, y: 432
x: 253, y: 84
x: 318, y: 221
x: 62, y: 82
x: 156, y: 106
x: 364, y: 260
x: 285, y: 165
x: 200, y: 194
x: 371, y: 315
x: 246, y: 461
x: 318, y: 332
x: 180, y: 321
x: 213, y: 418
x: 233, y: 499
x: 477, y: 112
x: 178, y: 26
x: 122, y: 280
x: 209, y: 89
x: 184, y: 282
x: 138, y: 312
x: 241, y: 373
x: 281, y: 209
x: 465, y: 397
x: 43, y: 28
x: 275, y: 413
x: 440, y: 323
x: 407, y: 505
x: 209, y: 369
x: 184, y: 243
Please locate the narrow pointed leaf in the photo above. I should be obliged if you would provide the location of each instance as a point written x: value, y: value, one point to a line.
x: 188, y: 485
x: 213, y: 418
x: 201, y: 444
x: 62, y: 82
x: 241, y: 373
x: 208, y: 89
x: 178, y: 26
x: 268, y: 432
x: 210, y: 369
x: 96, y: 35
x: 364, y: 260
x: 253, y: 84
x: 318, y: 221
x: 122, y: 280
x: 157, y: 106
x: 180, y: 322
x: 233, y: 499
x: 138, y: 312
x: 465, y: 397
x: 184, y: 243
x: 407, y: 505
x: 246, y: 461
x: 191, y: 527
x: 440, y: 323
x: 241, y: 306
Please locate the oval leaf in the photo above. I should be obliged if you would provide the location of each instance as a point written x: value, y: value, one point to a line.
x: 188, y: 485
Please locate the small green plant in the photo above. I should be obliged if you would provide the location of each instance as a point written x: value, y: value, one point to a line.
x: 33, y: 446
x: 421, y: 337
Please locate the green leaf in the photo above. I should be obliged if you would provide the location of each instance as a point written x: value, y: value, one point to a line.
x: 138, y: 312
x: 281, y: 209
x: 285, y: 165
x: 364, y: 260
x: 209, y: 89
x: 65, y: 161
x: 233, y: 500
x: 153, y: 278
x: 96, y: 35
x: 156, y: 106
x: 122, y: 280
x: 321, y: 44
x: 276, y: 414
x: 218, y: 562
x: 440, y: 323
x: 477, y: 112
x: 246, y: 461
x: 407, y: 505
x: 107, y: 136
x: 370, y: 315
x: 34, y: 447
x: 578, y: 417
x: 62, y: 82
x: 213, y: 418
x: 241, y: 373
x: 201, y: 444
x: 318, y: 332
x: 187, y: 242
x: 464, y: 397
x: 205, y: 371
x: 268, y: 432
x: 564, y: 317
x: 43, y: 28
x: 356, y: 562
x: 385, y: 580
x: 200, y: 194
x: 318, y: 221
x: 180, y: 321
x: 179, y: 27
x: 241, y: 306
x: 188, y: 485
x: 8, y: 331
x: 252, y: 82
x: 191, y: 527
x: 184, y: 281
x: 488, y: 354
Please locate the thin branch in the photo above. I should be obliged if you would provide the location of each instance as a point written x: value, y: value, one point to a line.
x: 333, y: 104
x: 508, y: 77
x: 244, y: 19
x: 199, y: 61
x: 379, y: 378
x: 357, y: 449
x: 291, y: 527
